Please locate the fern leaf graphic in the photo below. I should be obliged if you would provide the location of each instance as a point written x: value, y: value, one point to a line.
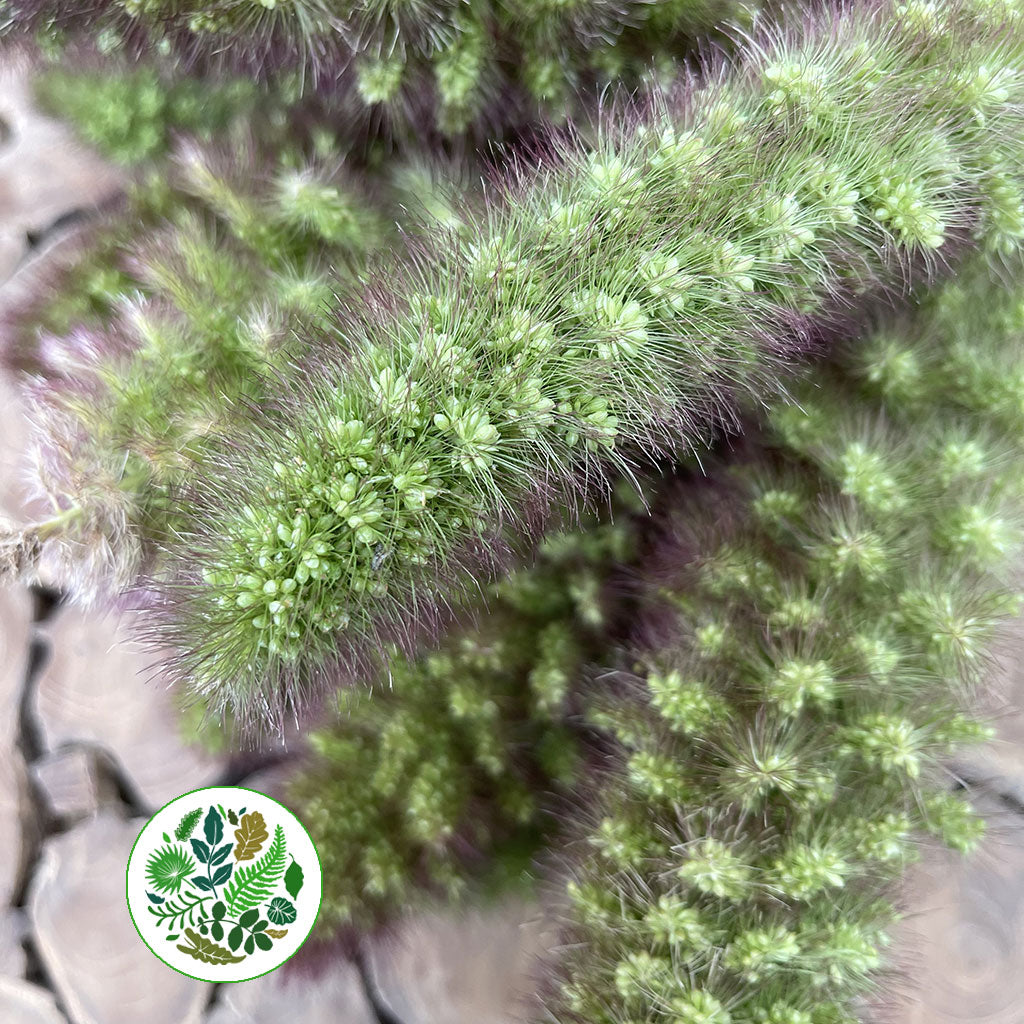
x: 254, y: 883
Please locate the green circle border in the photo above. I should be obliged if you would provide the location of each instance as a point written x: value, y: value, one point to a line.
x: 238, y: 981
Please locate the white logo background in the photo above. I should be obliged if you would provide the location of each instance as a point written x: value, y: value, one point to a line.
x: 299, y: 849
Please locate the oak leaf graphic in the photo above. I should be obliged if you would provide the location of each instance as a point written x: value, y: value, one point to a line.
x: 251, y: 835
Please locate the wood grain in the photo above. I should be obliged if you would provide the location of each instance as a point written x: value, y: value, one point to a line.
x: 98, y: 688
x: 100, y: 968
x: 960, y: 949
x: 478, y: 967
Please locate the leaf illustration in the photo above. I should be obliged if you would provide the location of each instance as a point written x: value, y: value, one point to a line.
x: 167, y: 838
x: 216, y: 931
x: 253, y: 883
x: 201, y: 850
x: 222, y: 874
x: 263, y: 941
x: 251, y: 835
x: 167, y: 868
x: 293, y: 878
x: 201, y: 883
x: 248, y: 919
x: 177, y: 910
x: 221, y: 854
x: 250, y: 944
x: 277, y: 933
x: 235, y: 937
x: 213, y: 826
x: 207, y: 950
x: 281, y: 911
x: 188, y: 824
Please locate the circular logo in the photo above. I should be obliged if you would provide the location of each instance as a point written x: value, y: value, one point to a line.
x: 224, y: 884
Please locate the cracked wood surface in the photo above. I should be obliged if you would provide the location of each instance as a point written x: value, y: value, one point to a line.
x: 97, y: 688
x: 85, y: 937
